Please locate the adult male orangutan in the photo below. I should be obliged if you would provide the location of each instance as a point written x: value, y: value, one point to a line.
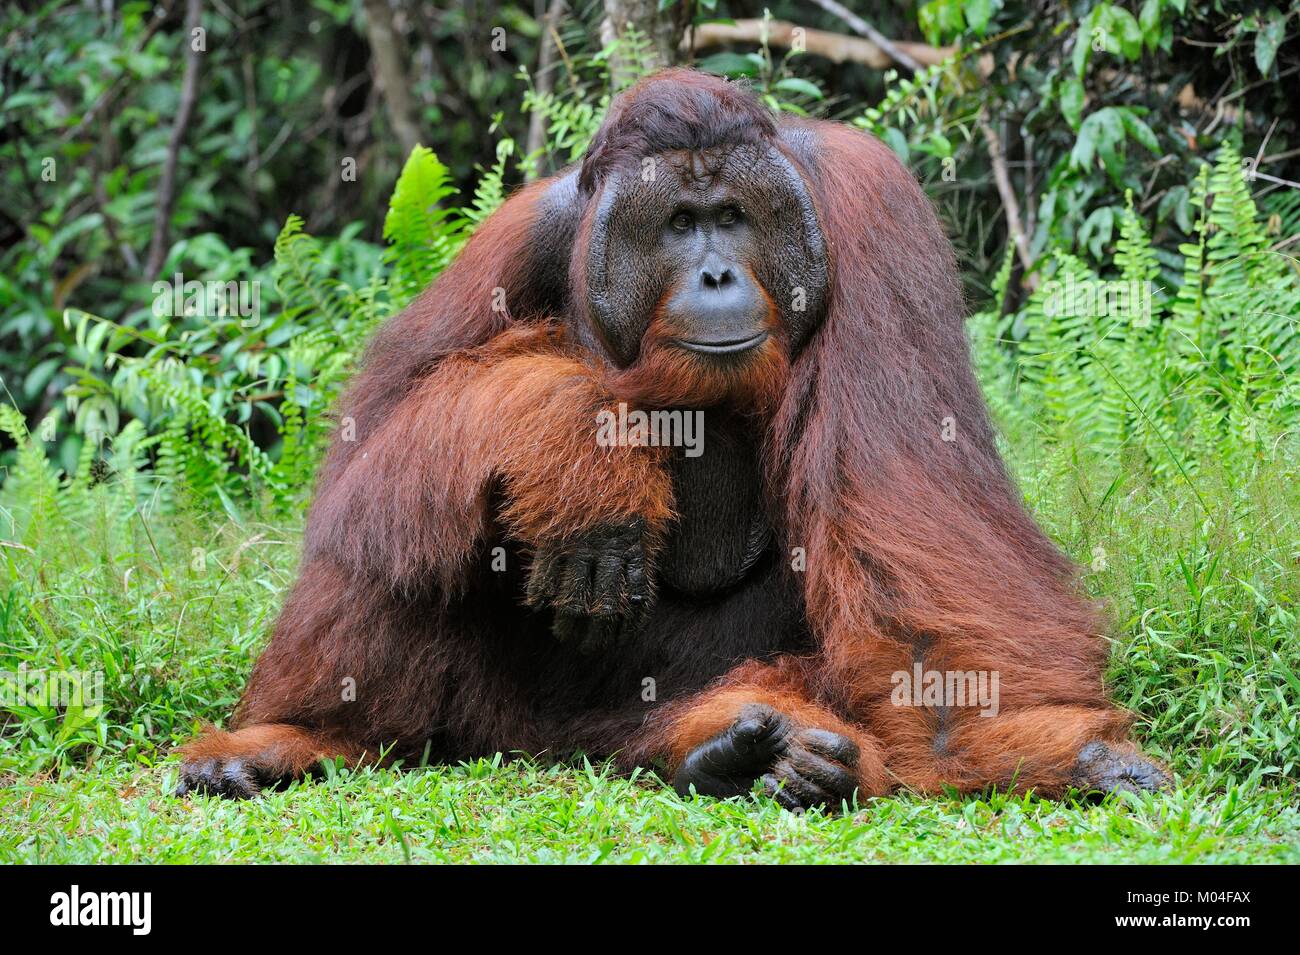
x: 482, y: 575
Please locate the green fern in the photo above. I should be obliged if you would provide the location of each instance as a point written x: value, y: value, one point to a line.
x: 490, y: 191
x: 299, y: 278
x: 424, y: 235
x: 1208, y: 372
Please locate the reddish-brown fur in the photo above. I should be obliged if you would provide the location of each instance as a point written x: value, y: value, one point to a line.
x: 917, y: 549
x: 519, y: 410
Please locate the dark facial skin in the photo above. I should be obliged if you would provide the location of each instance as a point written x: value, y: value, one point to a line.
x: 716, y: 305
x: 718, y: 249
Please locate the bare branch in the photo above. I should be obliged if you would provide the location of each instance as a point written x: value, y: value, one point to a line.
x: 836, y: 47
x: 862, y: 27
x: 1010, y: 204
x: 1281, y: 182
x: 167, y: 184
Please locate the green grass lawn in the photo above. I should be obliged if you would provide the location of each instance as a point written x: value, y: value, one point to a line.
x: 1201, y: 582
x: 519, y: 812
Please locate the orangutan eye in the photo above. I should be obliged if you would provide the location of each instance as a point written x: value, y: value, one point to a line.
x: 729, y: 215
x: 681, y: 221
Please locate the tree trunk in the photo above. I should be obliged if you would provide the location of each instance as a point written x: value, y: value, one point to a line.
x: 663, y: 29
x: 544, y: 80
x: 390, y: 59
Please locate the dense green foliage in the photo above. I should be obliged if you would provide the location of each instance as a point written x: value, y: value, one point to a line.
x: 1087, y: 96
x: 1145, y: 374
x: 1093, y: 101
x: 161, y: 443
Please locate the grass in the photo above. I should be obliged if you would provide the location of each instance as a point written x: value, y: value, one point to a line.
x: 1201, y: 584
x: 521, y: 812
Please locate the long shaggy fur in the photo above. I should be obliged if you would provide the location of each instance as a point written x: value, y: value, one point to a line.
x: 474, y: 434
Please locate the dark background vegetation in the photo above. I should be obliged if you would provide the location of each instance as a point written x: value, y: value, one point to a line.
x: 155, y: 467
x: 285, y: 91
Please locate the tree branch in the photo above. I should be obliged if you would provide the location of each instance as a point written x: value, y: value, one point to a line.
x: 663, y: 26
x: 1010, y: 204
x: 167, y: 184
x: 862, y: 27
x: 835, y: 47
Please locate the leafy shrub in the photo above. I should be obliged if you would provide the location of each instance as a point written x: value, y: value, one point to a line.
x: 1121, y: 366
